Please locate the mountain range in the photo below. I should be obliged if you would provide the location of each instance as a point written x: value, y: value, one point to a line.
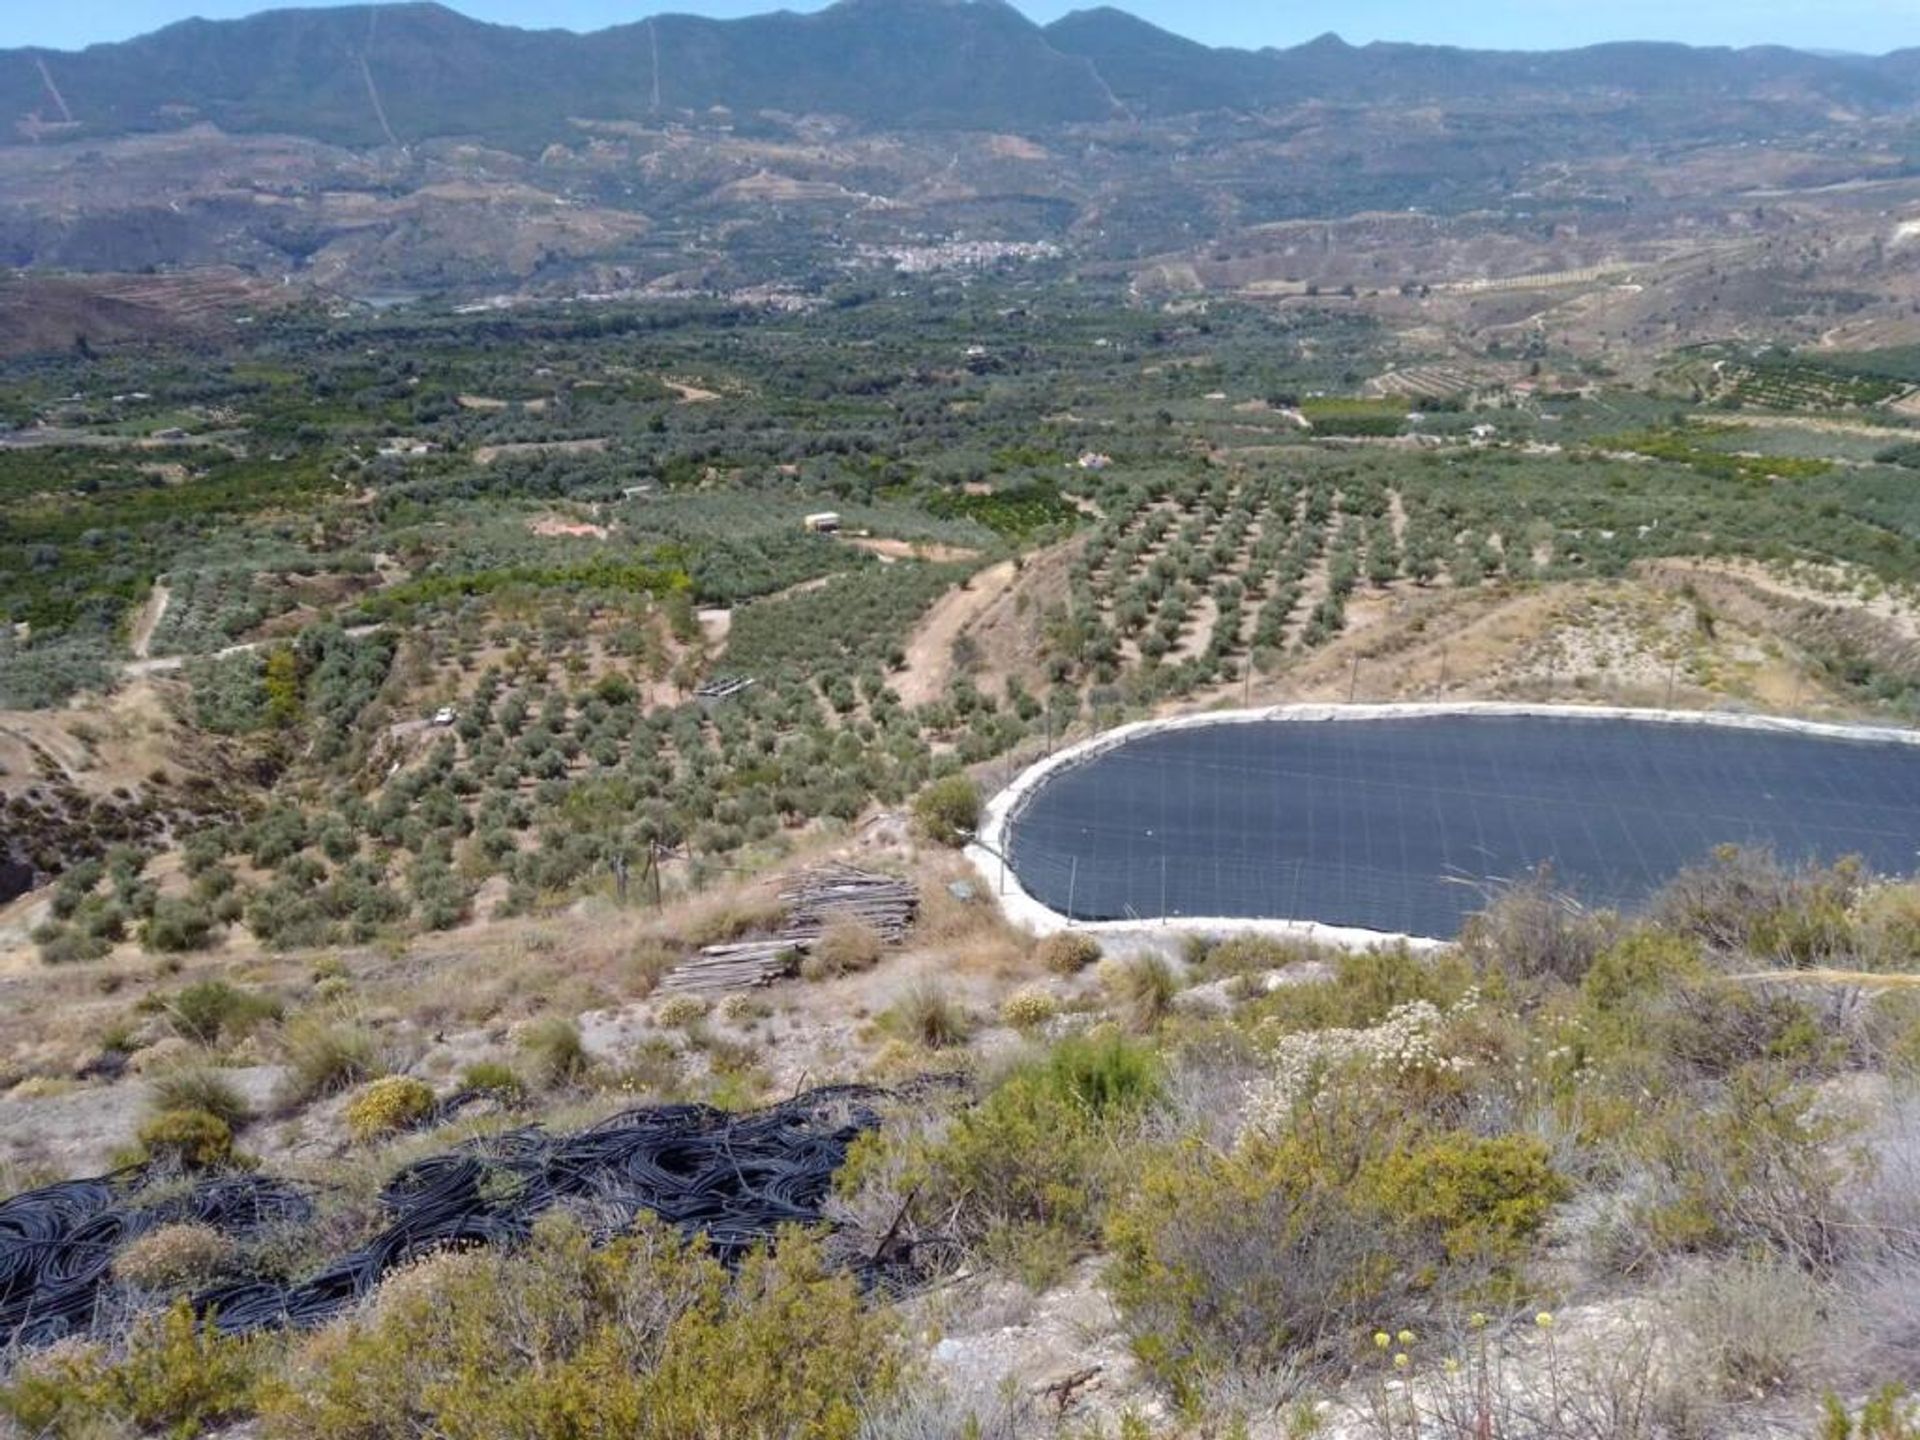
x: 410, y: 73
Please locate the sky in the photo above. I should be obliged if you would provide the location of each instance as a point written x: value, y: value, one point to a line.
x: 1859, y: 25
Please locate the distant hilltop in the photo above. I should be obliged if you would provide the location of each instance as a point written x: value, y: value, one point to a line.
x: 407, y: 74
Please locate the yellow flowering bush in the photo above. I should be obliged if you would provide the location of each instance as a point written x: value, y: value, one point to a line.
x: 395, y: 1102
x: 1028, y: 1008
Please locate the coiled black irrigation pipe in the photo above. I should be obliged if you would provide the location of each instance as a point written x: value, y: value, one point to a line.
x: 734, y: 1178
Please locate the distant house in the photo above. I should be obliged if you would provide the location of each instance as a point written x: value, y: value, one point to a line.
x: 824, y: 522
x: 1483, y: 433
x: 405, y: 449
x: 1093, y: 460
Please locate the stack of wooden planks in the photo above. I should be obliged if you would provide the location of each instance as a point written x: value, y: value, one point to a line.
x: 816, y: 900
x: 820, y: 897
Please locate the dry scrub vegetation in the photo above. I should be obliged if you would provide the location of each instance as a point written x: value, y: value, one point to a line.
x: 1576, y: 1176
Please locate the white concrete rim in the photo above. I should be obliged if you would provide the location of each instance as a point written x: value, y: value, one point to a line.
x: 1024, y: 909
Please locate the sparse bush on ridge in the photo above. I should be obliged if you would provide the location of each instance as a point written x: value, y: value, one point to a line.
x: 948, y: 810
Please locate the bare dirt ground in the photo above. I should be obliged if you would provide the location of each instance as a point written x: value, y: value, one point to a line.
x: 690, y: 394
x: 890, y: 550
x: 556, y: 526
x: 1638, y: 641
x: 118, y: 741
x: 929, y: 668
x: 487, y: 454
x: 148, y: 619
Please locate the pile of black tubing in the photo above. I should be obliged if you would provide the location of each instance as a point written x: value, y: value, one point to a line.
x: 734, y: 1178
x: 57, y: 1245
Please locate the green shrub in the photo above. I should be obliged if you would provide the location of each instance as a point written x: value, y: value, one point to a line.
x: 648, y: 965
x: 1285, y: 1248
x: 66, y: 945
x: 1028, y: 1173
x: 325, y: 1057
x: 948, y: 811
x: 393, y: 1102
x: 1467, y: 1198
x: 556, y: 1050
x: 1144, y: 986
x: 177, y: 925
x: 1889, y: 1415
x: 191, y: 1139
x: 493, y: 1077
x: 176, y: 1377
x: 210, y: 1011
x: 1366, y: 986
x: 928, y: 1015
x: 648, y: 1335
x: 202, y: 1088
x: 1758, y: 1169
x: 1247, y: 955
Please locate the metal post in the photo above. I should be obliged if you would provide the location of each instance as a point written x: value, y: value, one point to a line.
x: 1073, y: 880
x: 1353, y: 684
x: 1673, y: 671
x: 1163, y: 889
x: 1003, y: 871
x: 1443, y: 669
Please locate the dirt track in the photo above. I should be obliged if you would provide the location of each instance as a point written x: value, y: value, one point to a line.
x: 149, y: 618
x: 929, y: 667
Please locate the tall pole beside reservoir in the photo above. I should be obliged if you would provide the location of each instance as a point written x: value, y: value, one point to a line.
x: 1073, y: 881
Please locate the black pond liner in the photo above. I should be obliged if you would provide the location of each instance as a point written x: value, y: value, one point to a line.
x: 1405, y: 824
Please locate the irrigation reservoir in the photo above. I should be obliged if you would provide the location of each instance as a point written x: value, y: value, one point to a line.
x: 1402, y: 822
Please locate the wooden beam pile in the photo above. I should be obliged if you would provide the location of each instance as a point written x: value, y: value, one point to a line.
x: 741, y: 965
x: 815, y: 900
x: 818, y: 898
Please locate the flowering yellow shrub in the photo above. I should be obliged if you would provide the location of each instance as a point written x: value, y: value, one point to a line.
x: 679, y: 1010
x: 193, y: 1139
x: 395, y: 1102
x: 1028, y: 1008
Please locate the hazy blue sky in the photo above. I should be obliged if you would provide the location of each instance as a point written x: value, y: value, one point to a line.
x: 1869, y: 25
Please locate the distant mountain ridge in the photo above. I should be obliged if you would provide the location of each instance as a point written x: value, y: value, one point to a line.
x: 372, y: 76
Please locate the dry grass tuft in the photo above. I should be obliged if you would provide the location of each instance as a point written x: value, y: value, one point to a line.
x: 845, y: 947
x: 175, y: 1257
